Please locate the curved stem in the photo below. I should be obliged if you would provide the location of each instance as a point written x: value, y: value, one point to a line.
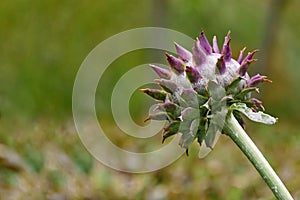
x: 244, y: 142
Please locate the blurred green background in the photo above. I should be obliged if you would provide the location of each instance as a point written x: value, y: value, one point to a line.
x: 42, y: 46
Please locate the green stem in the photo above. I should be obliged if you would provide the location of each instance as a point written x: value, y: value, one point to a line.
x: 244, y: 142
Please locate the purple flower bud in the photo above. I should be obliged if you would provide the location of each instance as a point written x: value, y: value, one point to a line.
x: 240, y: 59
x: 249, y: 56
x: 199, y: 54
x: 246, y: 62
x: 227, y: 38
x: 226, y: 51
x: 199, y: 88
x: 184, y: 54
x: 204, y: 43
x: 244, y: 67
x: 255, y: 80
x: 215, y: 45
x: 161, y: 72
x: 193, y: 74
x: 175, y: 63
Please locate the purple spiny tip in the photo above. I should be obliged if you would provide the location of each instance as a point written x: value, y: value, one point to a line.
x: 240, y: 59
x: 255, y: 80
x: 249, y: 56
x: 245, y: 63
x: 204, y: 43
x: 184, y: 54
x: 175, y: 63
x: 226, y: 51
x: 244, y: 66
x: 199, y: 53
x: 227, y: 38
x: 215, y: 45
x: 161, y: 72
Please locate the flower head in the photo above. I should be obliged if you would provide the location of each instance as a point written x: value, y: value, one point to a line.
x: 201, y: 87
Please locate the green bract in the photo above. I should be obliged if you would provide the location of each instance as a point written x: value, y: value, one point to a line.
x: 201, y: 87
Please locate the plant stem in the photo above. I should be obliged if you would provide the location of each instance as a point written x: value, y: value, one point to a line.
x: 244, y: 142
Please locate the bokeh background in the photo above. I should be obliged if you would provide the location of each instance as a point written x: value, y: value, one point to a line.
x: 43, y: 43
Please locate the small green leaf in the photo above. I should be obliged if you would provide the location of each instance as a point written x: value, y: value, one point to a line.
x: 190, y: 113
x: 168, y: 85
x: 234, y: 83
x: 190, y: 97
x: 172, y: 109
x: 216, y: 91
x: 186, y: 140
x: 189, y: 136
x: 254, y: 116
x: 216, y: 124
x: 203, y: 123
x: 246, y: 91
x: 204, y: 149
x: 211, y: 135
x: 233, y: 88
x: 170, y: 129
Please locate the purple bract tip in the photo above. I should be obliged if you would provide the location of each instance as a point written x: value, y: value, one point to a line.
x: 199, y: 53
x: 244, y: 66
x: 204, y: 43
x: 240, y: 59
x: 249, y: 56
x: 255, y: 80
x: 215, y: 45
x: 175, y: 63
x: 161, y: 72
x: 184, y: 54
x: 226, y: 51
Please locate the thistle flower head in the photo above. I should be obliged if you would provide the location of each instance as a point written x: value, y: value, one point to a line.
x: 201, y: 87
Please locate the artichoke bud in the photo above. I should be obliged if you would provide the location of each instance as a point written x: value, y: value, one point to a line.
x: 202, y: 87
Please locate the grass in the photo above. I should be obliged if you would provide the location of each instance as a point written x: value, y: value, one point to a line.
x: 55, y: 164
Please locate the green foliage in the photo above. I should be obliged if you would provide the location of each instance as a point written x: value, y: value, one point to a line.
x: 33, y: 156
x: 254, y: 116
x: 56, y: 179
x: 82, y: 159
x: 8, y: 178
